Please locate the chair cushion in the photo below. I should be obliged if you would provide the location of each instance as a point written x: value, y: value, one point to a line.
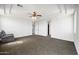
x: 2, y: 33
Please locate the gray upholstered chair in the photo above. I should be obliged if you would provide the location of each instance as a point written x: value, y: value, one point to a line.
x: 6, y: 37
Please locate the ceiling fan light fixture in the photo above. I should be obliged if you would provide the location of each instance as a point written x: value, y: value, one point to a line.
x: 34, y: 19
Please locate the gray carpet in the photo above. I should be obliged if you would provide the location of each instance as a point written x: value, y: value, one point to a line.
x: 38, y: 45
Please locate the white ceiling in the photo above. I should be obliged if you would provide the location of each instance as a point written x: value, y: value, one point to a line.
x: 44, y: 9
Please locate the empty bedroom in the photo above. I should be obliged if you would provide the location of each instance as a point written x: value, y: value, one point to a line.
x: 39, y: 29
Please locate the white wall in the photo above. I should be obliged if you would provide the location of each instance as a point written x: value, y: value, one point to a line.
x: 18, y: 26
x: 61, y: 27
x: 76, y: 33
x: 0, y: 23
x: 41, y: 27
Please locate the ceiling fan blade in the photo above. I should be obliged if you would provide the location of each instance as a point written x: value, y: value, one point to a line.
x: 39, y: 15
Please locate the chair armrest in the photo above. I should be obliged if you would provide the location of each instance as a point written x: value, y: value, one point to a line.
x: 8, y: 35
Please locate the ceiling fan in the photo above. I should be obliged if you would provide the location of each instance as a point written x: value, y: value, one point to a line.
x: 34, y: 14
